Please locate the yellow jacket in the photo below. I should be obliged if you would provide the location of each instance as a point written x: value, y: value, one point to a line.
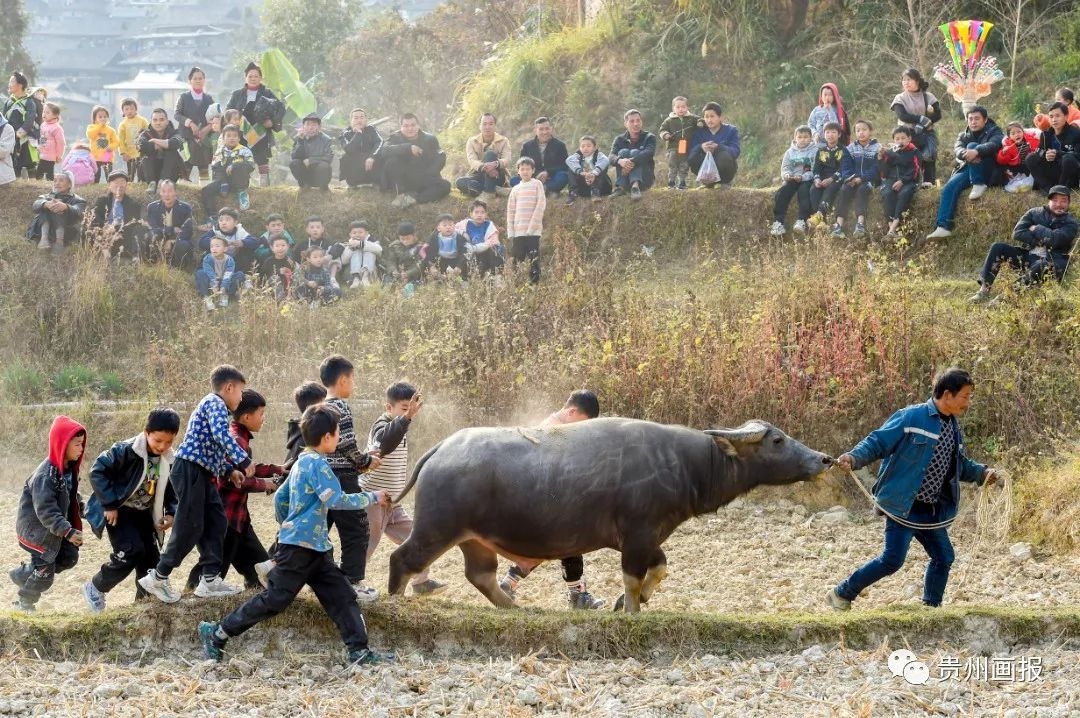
x: 103, y: 142
x: 129, y: 130
x: 475, y: 149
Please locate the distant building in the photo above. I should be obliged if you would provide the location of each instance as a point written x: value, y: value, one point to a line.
x: 149, y: 89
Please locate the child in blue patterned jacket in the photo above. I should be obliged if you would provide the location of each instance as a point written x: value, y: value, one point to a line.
x: 305, y: 554
x: 208, y: 448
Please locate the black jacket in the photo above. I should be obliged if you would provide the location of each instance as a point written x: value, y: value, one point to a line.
x: 1068, y: 141
x: 646, y: 147
x: 1056, y: 234
x: 76, y: 206
x: 551, y: 160
x: 188, y: 109
x: 828, y: 162
x: 988, y: 139
x: 902, y: 164
x: 319, y: 148
x: 294, y: 441
x: 238, y: 101
x: 118, y: 472
x: 183, y: 225
x: 170, y: 133
x: 362, y: 144
x: 103, y: 210
x: 398, y: 147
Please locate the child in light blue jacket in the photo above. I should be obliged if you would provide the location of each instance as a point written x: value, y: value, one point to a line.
x: 796, y: 177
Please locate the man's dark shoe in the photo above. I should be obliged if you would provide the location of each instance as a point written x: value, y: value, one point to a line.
x: 368, y: 657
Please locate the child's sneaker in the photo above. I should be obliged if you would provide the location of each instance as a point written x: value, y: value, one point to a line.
x: 355, y: 283
x: 800, y: 226
x: 584, y: 600
x: 860, y: 230
x: 635, y: 193
x: 570, y: 198
x: 95, y: 599
x: 19, y: 575
x: 209, y: 302
x: 368, y: 657
x: 223, y: 300
x: 214, y: 587
x: 837, y: 231
x: 428, y: 588
x: 213, y: 646
x: 263, y: 569
x: 595, y: 192
x: 682, y: 185
x: 243, y: 200
x: 777, y: 229
x: 365, y: 594
x: 158, y: 587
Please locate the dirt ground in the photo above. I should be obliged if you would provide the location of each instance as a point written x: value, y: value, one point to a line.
x: 747, y: 558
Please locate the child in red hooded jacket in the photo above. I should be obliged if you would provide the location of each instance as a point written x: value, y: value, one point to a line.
x: 49, y: 522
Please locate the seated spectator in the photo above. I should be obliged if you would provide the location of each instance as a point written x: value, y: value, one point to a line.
x: 361, y: 255
x: 313, y: 155
x: 217, y: 278
x: 316, y: 283
x: 172, y: 227
x: 232, y: 167
x: 634, y: 157
x: 718, y: 139
x: 830, y: 108
x: 588, y: 172
x: 1047, y: 235
x: 360, y: 143
x: 796, y: 177
x: 118, y: 216
x: 1067, y: 97
x: 315, y: 231
x: 917, y: 109
x: 159, y: 148
x: 446, y: 253
x: 278, y: 269
x: 859, y: 177
x: 975, y: 150
x: 484, y: 249
x: 549, y: 154
x: 900, y: 172
x: 275, y: 225
x: 402, y: 262
x: 238, y: 243
x: 634, y: 152
x: 1015, y: 149
x: 58, y: 215
x: 488, y: 155
x: 1057, y: 160
x: 7, y: 151
x: 410, y: 161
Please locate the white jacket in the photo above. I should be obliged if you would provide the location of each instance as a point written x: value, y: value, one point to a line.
x: 7, y: 147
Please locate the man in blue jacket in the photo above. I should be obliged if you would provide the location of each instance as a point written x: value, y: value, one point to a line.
x: 923, y: 463
x: 172, y: 227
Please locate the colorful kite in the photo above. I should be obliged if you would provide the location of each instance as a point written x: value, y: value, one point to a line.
x: 971, y: 75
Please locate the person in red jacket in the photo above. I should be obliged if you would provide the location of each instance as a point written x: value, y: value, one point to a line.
x: 1015, y: 148
x: 242, y: 547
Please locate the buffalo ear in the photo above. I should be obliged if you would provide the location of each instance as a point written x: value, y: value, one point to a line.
x: 726, y: 446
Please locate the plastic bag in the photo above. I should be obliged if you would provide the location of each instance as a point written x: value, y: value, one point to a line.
x: 708, y: 174
x: 1020, y: 183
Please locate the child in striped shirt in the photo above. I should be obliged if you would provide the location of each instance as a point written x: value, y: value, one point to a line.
x: 525, y: 217
x: 388, y: 438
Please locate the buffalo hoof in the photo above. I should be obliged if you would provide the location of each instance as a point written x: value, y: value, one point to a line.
x: 619, y: 602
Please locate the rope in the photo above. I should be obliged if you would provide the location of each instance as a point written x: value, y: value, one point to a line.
x: 894, y: 517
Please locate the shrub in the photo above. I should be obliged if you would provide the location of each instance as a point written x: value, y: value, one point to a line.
x: 23, y: 383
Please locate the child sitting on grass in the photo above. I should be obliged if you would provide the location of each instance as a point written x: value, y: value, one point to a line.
x: 305, y: 554
x: 133, y: 502
x: 49, y: 521
x: 242, y: 548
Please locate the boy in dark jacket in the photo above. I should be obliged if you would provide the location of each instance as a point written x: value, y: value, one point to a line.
x: 133, y: 502
x: 242, y: 548
x: 827, y: 164
x: 312, y: 155
x: 900, y: 169
x: 401, y: 262
x: 316, y: 283
x: 677, y: 130
x: 279, y: 270
x: 49, y: 522
x: 207, y: 449
x: 360, y: 143
x: 859, y: 176
x: 159, y: 149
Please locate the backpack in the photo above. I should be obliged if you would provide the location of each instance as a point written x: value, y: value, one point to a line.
x: 21, y: 106
x: 80, y: 163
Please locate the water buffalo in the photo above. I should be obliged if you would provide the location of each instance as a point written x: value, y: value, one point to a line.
x: 534, y: 494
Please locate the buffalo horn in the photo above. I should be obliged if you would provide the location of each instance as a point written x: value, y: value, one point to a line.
x: 751, y: 432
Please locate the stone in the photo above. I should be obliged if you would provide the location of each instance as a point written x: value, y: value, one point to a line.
x: 529, y: 696
x: 814, y: 653
x: 108, y: 690
x: 1020, y: 551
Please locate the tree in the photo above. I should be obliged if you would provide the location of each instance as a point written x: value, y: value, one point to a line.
x: 309, y: 30
x: 13, y: 55
x: 1023, y: 22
